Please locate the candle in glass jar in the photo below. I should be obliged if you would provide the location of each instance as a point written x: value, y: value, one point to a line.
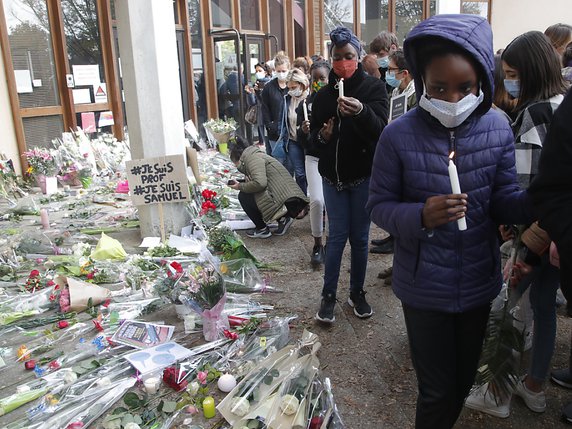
x: 456, y: 187
x: 305, y: 110
x: 341, y: 87
x: 152, y: 385
x: 209, y: 407
x: 45, y: 218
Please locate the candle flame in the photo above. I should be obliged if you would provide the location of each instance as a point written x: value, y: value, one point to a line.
x: 452, y: 155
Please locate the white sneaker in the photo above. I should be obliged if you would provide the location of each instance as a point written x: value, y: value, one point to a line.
x: 481, y: 399
x: 533, y: 400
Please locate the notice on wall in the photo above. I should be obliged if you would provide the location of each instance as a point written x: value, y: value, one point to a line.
x: 81, y: 96
x: 105, y: 119
x: 86, y: 74
x: 23, y: 81
x: 88, y: 122
x: 397, y: 106
x: 100, y: 93
x: 158, y: 180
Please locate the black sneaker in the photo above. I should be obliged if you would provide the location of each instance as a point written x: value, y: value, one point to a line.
x: 326, y: 312
x: 562, y: 377
x: 317, y: 258
x: 361, y: 308
x: 259, y: 233
x: 283, y: 225
x: 385, y: 248
x: 381, y: 242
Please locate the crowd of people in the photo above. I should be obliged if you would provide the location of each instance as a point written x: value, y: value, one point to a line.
x: 451, y: 150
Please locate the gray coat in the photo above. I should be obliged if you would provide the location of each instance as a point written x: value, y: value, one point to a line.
x: 269, y: 181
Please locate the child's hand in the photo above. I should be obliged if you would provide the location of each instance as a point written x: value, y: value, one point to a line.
x: 443, y: 209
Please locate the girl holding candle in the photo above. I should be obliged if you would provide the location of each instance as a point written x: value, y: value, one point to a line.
x: 444, y: 276
x: 345, y: 130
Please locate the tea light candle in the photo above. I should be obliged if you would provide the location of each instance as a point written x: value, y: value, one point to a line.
x: 341, y: 87
x: 226, y: 383
x: 45, y: 218
x: 456, y: 187
x: 305, y: 110
x: 209, y: 410
x: 151, y: 385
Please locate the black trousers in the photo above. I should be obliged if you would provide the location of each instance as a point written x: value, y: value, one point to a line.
x: 249, y: 206
x: 445, y: 350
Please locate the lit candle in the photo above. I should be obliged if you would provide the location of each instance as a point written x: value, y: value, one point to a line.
x: 305, y: 110
x: 341, y: 87
x: 209, y: 407
x: 45, y: 218
x: 456, y: 186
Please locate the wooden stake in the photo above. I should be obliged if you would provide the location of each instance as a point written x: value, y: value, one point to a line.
x: 162, y: 223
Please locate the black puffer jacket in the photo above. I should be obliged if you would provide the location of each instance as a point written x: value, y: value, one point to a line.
x: 272, y: 105
x: 348, y: 155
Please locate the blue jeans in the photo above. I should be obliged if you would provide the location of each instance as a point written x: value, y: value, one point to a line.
x: 298, y: 161
x: 543, y: 282
x: 281, y: 156
x: 347, y: 218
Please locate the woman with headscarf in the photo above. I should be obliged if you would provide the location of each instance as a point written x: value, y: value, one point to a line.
x: 345, y: 128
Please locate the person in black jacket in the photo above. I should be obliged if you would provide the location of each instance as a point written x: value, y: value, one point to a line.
x: 273, y: 99
x: 551, y: 192
x: 346, y: 129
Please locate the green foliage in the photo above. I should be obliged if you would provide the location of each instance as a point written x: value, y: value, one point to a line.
x: 163, y: 251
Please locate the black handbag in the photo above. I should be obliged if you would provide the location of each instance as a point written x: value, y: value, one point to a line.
x: 252, y: 115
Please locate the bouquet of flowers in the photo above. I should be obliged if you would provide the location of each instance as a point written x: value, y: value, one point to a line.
x: 224, y: 242
x: 74, y: 163
x: 220, y: 131
x: 210, y: 208
x: 41, y: 161
x: 110, y: 153
x: 37, y: 281
x: 9, y: 181
x: 202, y: 289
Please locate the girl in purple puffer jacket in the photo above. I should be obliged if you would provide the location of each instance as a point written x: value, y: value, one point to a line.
x: 446, y: 277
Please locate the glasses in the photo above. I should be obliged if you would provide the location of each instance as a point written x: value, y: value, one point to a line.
x: 394, y: 69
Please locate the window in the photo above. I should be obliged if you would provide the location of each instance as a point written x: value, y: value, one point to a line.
x: 276, y: 8
x: 338, y: 13
x: 476, y: 7
x: 299, y: 13
x: 408, y: 13
x: 221, y: 13
x: 374, y: 18
x: 249, y: 14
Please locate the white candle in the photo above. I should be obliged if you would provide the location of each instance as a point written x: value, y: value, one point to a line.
x: 45, y: 219
x: 341, y: 87
x: 151, y: 385
x: 456, y: 187
x: 305, y: 110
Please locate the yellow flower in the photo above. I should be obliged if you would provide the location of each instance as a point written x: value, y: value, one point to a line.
x: 223, y: 268
x: 30, y: 170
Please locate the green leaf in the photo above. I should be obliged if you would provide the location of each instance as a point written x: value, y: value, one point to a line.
x: 127, y: 418
x: 169, y: 406
x: 79, y: 370
x: 119, y: 410
x: 137, y: 419
x: 132, y: 400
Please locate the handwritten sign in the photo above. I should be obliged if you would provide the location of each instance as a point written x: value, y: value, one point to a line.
x: 397, y: 106
x: 158, y: 180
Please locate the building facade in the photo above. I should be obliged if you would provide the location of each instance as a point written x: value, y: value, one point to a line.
x: 61, y: 65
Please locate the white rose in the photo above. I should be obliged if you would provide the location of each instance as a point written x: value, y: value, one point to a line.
x: 70, y: 377
x: 103, y: 382
x: 132, y: 425
x: 193, y: 388
x: 289, y: 404
x: 239, y: 406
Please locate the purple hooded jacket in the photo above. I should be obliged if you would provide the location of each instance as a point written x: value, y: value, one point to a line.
x: 446, y: 269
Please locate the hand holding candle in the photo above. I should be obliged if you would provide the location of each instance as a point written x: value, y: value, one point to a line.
x: 456, y: 186
x: 341, y: 87
x: 305, y: 110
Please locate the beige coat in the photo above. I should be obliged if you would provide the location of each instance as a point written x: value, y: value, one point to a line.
x: 269, y: 181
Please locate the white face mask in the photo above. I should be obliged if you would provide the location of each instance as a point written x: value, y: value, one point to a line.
x: 296, y: 92
x: 282, y: 75
x: 451, y: 115
x: 260, y: 75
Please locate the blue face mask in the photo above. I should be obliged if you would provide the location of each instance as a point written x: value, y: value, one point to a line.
x: 512, y: 86
x: 383, y: 62
x: 392, y: 80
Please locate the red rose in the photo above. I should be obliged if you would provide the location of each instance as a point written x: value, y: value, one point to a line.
x: 51, y: 283
x: 91, y: 275
x: 62, y: 324
x: 177, y: 267
x: 315, y: 422
x: 30, y: 365
x: 97, y: 325
x: 54, y: 365
x: 34, y: 273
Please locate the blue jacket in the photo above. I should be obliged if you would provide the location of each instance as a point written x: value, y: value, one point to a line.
x: 446, y: 269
